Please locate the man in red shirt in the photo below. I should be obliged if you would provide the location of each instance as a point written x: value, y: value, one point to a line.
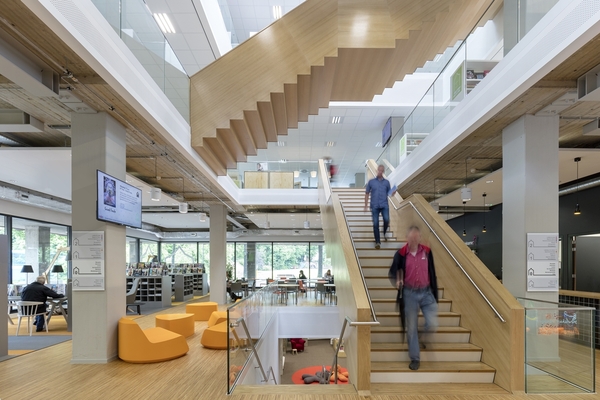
x: 414, y: 274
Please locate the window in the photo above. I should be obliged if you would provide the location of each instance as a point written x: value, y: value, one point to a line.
x: 148, y: 250
x: 179, y: 253
x: 319, y: 263
x: 264, y: 261
x: 131, y: 250
x: 289, y: 259
x: 204, y: 256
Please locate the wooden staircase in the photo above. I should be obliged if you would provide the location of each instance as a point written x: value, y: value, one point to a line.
x: 322, y: 51
x: 449, y: 357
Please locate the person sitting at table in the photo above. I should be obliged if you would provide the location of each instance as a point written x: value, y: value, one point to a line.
x: 301, y: 275
x: 328, y: 277
x: 36, y: 291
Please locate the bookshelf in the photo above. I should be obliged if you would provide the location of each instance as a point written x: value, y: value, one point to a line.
x: 183, y: 285
x: 200, y: 284
x: 153, y: 290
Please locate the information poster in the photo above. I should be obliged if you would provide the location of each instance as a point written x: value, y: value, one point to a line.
x: 542, y: 262
x: 88, y: 260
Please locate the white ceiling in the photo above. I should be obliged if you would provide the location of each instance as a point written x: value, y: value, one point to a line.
x: 286, y: 220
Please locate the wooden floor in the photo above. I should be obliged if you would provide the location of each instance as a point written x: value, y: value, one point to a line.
x: 201, y: 374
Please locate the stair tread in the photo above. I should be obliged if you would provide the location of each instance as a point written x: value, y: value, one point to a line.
x: 442, y: 314
x: 391, y: 346
x: 431, y: 366
x: 394, y: 300
x: 440, y: 329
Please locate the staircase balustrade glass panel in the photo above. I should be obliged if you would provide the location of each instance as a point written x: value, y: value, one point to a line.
x: 559, y: 347
x: 250, y: 359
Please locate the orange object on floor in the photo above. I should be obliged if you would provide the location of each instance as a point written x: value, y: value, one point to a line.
x: 297, y: 376
x: 150, y: 345
x: 202, y: 311
x: 178, y: 323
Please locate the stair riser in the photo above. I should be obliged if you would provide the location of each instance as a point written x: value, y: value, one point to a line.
x: 450, y: 356
x: 432, y: 377
x: 377, y: 253
x: 442, y: 321
x: 361, y: 218
x: 387, y: 293
x: 437, y: 337
x: 380, y: 270
x: 389, y: 245
x: 391, y: 306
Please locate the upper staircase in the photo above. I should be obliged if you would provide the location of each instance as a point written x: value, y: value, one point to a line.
x: 322, y: 51
x: 449, y: 357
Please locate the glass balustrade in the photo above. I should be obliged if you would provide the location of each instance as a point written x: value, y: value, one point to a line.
x: 559, y: 347
x: 135, y: 25
x: 250, y: 359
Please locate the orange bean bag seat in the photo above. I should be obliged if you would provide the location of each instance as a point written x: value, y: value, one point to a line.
x: 217, y: 317
x: 215, y: 337
x: 150, y: 345
x: 178, y: 323
x: 202, y: 311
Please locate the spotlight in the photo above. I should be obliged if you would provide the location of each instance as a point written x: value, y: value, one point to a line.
x: 155, y: 194
x: 183, y: 208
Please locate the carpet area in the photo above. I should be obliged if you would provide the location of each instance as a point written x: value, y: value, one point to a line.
x: 34, y: 342
x: 316, y: 352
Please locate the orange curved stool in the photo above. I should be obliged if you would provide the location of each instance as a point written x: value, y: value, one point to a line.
x: 178, y: 323
x: 202, y: 311
x: 215, y: 337
x: 217, y: 317
x: 150, y: 345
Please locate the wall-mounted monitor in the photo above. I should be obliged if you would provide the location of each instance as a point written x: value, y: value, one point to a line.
x: 118, y: 202
x: 386, y: 134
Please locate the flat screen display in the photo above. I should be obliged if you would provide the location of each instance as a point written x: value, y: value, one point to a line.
x: 386, y: 134
x: 118, y: 201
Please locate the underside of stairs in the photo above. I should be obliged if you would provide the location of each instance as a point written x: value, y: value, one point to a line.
x: 322, y: 51
x: 448, y: 357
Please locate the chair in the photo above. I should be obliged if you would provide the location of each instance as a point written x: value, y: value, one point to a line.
x: 131, y: 295
x: 150, y: 345
x: 237, y: 289
x: 321, y: 290
x: 30, y: 309
x: 301, y: 286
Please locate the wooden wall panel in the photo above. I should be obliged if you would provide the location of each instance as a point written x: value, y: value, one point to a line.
x: 256, y: 180
x: 281, y: 180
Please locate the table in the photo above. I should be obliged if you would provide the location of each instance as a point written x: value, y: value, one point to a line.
x: 56, y: 306
x: 12, y: 302
x: 289, y: 285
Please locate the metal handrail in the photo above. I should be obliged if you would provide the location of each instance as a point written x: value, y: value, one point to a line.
x: 456, y: 261
x: 362, y: 276
x: 253, y: 349
x: 347, y: 321
x: 449, y: 252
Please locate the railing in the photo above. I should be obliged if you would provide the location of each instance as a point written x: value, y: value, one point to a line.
x: 489, y: 303
x: 559, y: 347
x: 347, y: 321
x: 255, y: 314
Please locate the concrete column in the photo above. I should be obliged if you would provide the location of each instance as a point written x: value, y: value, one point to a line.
x: 218, y: 251
x: 98, y: 142
x: 529, y: 195
x: 4, y: 256
x: 31, y: 250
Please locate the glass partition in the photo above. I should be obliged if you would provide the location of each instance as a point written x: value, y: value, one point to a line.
x: 250, y: 359
x: 179, y: 253
x: 136, y: 26
x: 204, y: 256
x: 530, y: 12
x: 289, y: 259
x: 131, y: 250
x: 559, y: 347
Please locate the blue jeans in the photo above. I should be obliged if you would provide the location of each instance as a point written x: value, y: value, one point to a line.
x: 413, y: 300
x: 385, y: 213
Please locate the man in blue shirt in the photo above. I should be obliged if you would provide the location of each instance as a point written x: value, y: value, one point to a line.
x: 378, y: 188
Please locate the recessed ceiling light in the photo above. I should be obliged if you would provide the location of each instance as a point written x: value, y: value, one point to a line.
x: 378, y: 144
x: 276, y: 12
x: 336, y: 120
x: 164, y: 22
x: 490, y: 181
x: 330, y: 144
x: 281, y: 143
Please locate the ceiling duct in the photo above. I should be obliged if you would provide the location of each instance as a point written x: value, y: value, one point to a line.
x: 47, y: 202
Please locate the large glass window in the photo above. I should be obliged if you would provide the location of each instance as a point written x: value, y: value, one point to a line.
x: 289, y: 259
x: 204, y: 256
x: 319, y: 263
x: 179, y: 253
x: 264, y: 261
x: 230, y: 264
x: 148, y: 250
x: 40, y: 245
x: 2, y: 225
x: 131, y: 250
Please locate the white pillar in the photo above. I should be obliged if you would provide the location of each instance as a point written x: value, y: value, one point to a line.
x: 218, y: 251
x: 98, y: 142
x: 529, y: 195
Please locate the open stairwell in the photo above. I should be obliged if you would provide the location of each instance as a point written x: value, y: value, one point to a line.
x: 448, y: 356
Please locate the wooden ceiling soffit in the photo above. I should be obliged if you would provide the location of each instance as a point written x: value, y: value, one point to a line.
x: 311, y: 56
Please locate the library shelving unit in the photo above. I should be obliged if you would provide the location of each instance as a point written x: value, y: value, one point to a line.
x: 183, y: 285
x: 200, y: 284
x: 153, y: 290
